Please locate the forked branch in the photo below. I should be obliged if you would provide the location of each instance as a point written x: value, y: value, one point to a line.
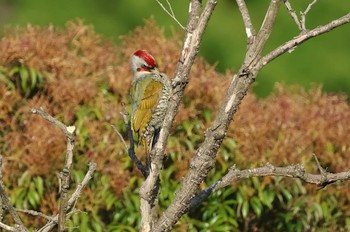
x: 171, y: 13
x: 301, y: 23
x: 322, y: 179
x: 65, y: 175
x: 67, y: 203
x: 303, y: 37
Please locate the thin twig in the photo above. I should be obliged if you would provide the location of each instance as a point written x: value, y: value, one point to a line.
x: 320, y: 168
x: 66, y: 172
x: 7, y: 228
x: 74, y: 197
x: 303, y: 37
x: 170, y: 7
x: 303, y: 15
x: 34, y: 213
x: 66, y: 130
x: 293, y: 14
x: 121, y: 137
x: 171, y: 14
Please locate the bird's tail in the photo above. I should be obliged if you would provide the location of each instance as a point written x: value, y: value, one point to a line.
x: 148, y: 143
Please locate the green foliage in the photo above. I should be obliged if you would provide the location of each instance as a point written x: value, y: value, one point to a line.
x: 26, y: 80
x: 29, y: 192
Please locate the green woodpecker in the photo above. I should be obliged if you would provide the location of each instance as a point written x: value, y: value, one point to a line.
x: 150, y: 93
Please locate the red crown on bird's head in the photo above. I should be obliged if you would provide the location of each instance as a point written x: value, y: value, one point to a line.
x: 143, y: 54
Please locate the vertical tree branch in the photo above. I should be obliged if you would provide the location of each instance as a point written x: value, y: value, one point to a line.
x: 65, y: 174
x: 254, y: 51
x: 249, y: 28
x: 204, y: 159
x: 65, y: 177
x: 196, y: 24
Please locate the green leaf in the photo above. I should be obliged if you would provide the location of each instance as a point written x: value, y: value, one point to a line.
x: 230, y: 143
x: 245, y: 209
x: 286, y: 194
x: 266, y: 197
x: 318, y: 213
x: 207, y: 115
x: 24, y: 75
x: 39, y: 184
x: 240, y: 198
x: 256, y: 182
x: 7, y: 81
x: 24, y: 179
x: 347, y: 222
x: 14, y: 70
x: 256, y: 206
x: 34, y: 77
x: 31, y: 198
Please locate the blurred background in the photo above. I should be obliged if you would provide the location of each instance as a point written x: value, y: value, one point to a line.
x: 325, y: 60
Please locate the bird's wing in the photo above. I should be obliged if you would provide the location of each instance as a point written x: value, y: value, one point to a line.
x: 144, y: 103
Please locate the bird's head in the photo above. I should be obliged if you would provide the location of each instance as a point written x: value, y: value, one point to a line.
x: 142, y: 61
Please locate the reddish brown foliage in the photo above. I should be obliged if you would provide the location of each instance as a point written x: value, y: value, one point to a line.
x: 88, y: 78
x: 291, y: 125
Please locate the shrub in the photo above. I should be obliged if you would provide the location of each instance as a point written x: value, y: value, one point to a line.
x: 83, y: 80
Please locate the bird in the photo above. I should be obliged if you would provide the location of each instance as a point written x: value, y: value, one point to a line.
x: 150, y: 93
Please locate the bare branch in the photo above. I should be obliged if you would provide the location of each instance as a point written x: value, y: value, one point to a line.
x: 7, y: 228
x: 66, y: 130
x: 292, y: 171
x: 303, y: 15
x: 171, y: 13
x: 170, y: 7
x: 293, y: 14
x: 302, y: 22
x: 5, y: 200
x: 66, y: 173
x: 256, y: 48
x: 121, y: 137
x: 320, y: 168
x: 34, y: 213
x: 301, y: 38
x: 72, y: 200
x: 249, y: 28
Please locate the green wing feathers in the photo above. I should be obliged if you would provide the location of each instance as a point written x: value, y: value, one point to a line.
x: 145, y: 96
